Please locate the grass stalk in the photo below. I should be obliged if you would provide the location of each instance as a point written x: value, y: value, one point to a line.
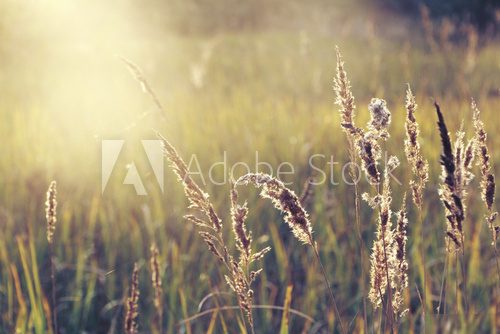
x: 330, y: 291
x: 53, y: 282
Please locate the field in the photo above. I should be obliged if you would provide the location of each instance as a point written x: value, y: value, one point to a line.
x: 239, y: 97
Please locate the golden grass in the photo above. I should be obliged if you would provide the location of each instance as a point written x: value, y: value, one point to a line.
x: 92, y: 255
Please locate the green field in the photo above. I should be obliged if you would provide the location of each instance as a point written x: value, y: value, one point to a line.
x: 240, y: 94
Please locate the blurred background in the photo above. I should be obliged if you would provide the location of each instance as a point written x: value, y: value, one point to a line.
x: 234, y: 76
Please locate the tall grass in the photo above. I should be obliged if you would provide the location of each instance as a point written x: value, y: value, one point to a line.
x: 51, y: 216
x: 100, y: 237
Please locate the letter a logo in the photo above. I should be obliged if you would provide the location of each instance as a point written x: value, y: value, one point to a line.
x: 110, y: 152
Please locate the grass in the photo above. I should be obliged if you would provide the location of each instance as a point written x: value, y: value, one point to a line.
x: 259, y: 92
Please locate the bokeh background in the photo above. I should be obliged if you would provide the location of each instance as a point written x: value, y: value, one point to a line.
x: 238, y: 77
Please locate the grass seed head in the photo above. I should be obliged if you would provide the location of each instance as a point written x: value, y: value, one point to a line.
x: 345, y: 98
x: 131, y: 326
x: 487, y: 178
x: 419, y: 166
x: 284, y: 200
x: 51, y: 211
x: 380, y: 118
x: 155, y: 275
x: 401, y: 264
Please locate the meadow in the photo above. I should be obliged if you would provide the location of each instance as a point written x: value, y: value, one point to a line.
x: 245, y: 95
